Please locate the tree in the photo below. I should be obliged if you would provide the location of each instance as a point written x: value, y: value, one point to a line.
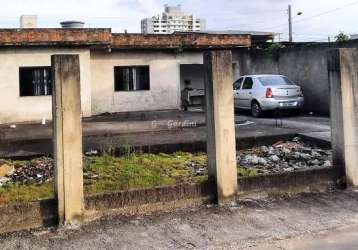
x: 341, y: 37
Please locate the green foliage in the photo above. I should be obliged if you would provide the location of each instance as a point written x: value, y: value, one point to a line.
x: 20, y: 193
x: 246, y: 172
x: 341, y: 37
x: 274, y: 49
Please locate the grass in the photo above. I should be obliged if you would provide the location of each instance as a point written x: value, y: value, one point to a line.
x: 140, y: 171
x: 23, y: 193
x: 134, y: 170
x: 245, y: 172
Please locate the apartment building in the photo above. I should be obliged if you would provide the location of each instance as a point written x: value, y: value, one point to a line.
x: 172, y: 20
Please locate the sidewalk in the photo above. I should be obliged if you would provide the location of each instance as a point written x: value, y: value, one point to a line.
x: 345, y: 238
x: 307, y: 221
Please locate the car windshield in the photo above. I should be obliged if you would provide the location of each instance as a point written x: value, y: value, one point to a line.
x: 275, y: 80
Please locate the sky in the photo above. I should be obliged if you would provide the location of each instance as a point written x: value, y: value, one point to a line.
x: 320, y: 18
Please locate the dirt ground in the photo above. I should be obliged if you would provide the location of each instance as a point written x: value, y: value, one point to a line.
x: 262, y: 223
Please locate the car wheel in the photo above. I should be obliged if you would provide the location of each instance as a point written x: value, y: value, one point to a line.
x: 256, y: 110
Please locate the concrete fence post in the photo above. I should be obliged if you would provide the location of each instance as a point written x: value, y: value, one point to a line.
x: 343, y: 82
x: 67, y: 131
x: 221, y: 141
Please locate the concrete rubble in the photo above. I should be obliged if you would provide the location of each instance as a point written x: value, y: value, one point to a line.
x: 37, y: 171
x: 197, y: 169
x: 284, y: 157
x: 5, y: 170
x: 278, y: 158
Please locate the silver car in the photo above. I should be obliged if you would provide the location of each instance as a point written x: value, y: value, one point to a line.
x: 260, y: 93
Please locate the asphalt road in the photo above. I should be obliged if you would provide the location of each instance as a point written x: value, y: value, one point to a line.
x: 154, y: 129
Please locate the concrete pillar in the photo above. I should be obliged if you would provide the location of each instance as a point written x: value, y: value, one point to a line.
x: 343, y: 81
x: 221, y: 144
x: 67, y: 129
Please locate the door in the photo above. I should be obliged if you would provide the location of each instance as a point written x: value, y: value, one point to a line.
x: 237, y: 86
x: 245, y: 95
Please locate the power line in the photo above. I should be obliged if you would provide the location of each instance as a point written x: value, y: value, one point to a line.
x: 327, y: 12
x: 317, y: 15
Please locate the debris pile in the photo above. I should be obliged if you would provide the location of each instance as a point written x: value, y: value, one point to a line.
x: 284, y: 157
x: 197, y: 169
x: 5, y: 170
x: 37, y: 171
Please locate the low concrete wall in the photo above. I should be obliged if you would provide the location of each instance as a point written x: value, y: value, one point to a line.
x: 149, y: 200
x: 306, y: 65
x: 15, y: 217
x: 23, y: 216
x: 293, y: 182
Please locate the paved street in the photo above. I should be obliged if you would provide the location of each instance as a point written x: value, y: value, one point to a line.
x: 315, y: 126
x: 155, y: 128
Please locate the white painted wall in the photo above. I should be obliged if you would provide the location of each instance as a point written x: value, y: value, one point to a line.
x: 14, y: 108
x: 164, y: 90
x: 97, y: 82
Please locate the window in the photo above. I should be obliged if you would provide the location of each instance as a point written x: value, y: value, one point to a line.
x: 131, y: 78
x: 248, y: 83
x: 35, y: 81
x: 237, y: 84
x: 275, y: 80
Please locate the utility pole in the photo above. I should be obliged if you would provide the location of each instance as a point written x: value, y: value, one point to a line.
x: 290, y: 39
x: 290, y: 23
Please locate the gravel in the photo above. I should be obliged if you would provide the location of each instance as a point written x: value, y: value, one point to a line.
x: 286, y: 156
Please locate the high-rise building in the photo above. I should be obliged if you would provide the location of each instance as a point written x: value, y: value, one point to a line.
x: 354, y: 36
x: 28, y: 21
x: 172, y: 20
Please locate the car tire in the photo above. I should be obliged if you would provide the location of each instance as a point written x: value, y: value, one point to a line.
x: 256, y: 110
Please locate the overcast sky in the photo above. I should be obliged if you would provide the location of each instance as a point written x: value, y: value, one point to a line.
x: 320, y: 19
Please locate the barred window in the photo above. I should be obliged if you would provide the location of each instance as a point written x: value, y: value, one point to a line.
x: 131, y: 78
x: 35, y: 81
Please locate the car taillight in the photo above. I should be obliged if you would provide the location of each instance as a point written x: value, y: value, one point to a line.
x: 269, y: 93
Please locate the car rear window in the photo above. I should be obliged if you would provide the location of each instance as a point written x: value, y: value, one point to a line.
x: 275, y: 80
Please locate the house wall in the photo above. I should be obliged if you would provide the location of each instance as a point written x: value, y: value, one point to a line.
x: 14, y: 108
x: 164, y: 90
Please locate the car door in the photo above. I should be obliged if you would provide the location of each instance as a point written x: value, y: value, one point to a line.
x: 237, y: 86
x: 245, y: 95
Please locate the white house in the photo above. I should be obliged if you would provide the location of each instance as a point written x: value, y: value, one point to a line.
x: 119, y: 72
